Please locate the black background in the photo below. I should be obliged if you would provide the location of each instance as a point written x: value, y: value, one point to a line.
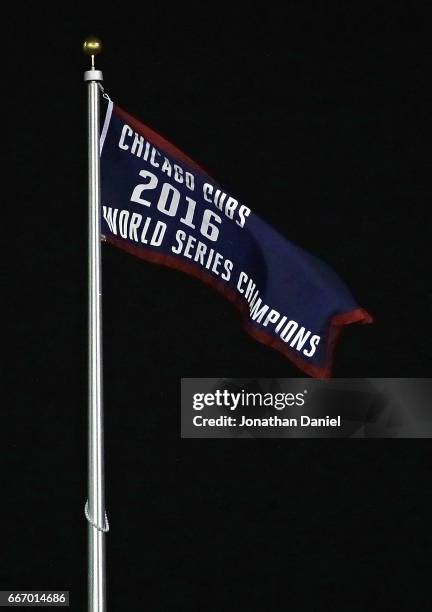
x: 320, y: 123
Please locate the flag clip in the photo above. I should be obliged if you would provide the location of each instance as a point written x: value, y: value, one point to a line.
x: 104, y: 529
x: 104, y: 93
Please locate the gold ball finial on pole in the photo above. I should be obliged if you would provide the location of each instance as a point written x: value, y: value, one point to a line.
x: 92, y: 46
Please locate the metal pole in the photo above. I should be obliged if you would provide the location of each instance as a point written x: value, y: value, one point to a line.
x: 95, y: 507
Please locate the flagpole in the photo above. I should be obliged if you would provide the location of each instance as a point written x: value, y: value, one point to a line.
x: 95, y: 507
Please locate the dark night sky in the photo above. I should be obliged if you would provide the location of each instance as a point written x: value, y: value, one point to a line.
x: 321, y: 125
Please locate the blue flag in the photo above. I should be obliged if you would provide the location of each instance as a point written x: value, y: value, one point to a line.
x: 160, y: 205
